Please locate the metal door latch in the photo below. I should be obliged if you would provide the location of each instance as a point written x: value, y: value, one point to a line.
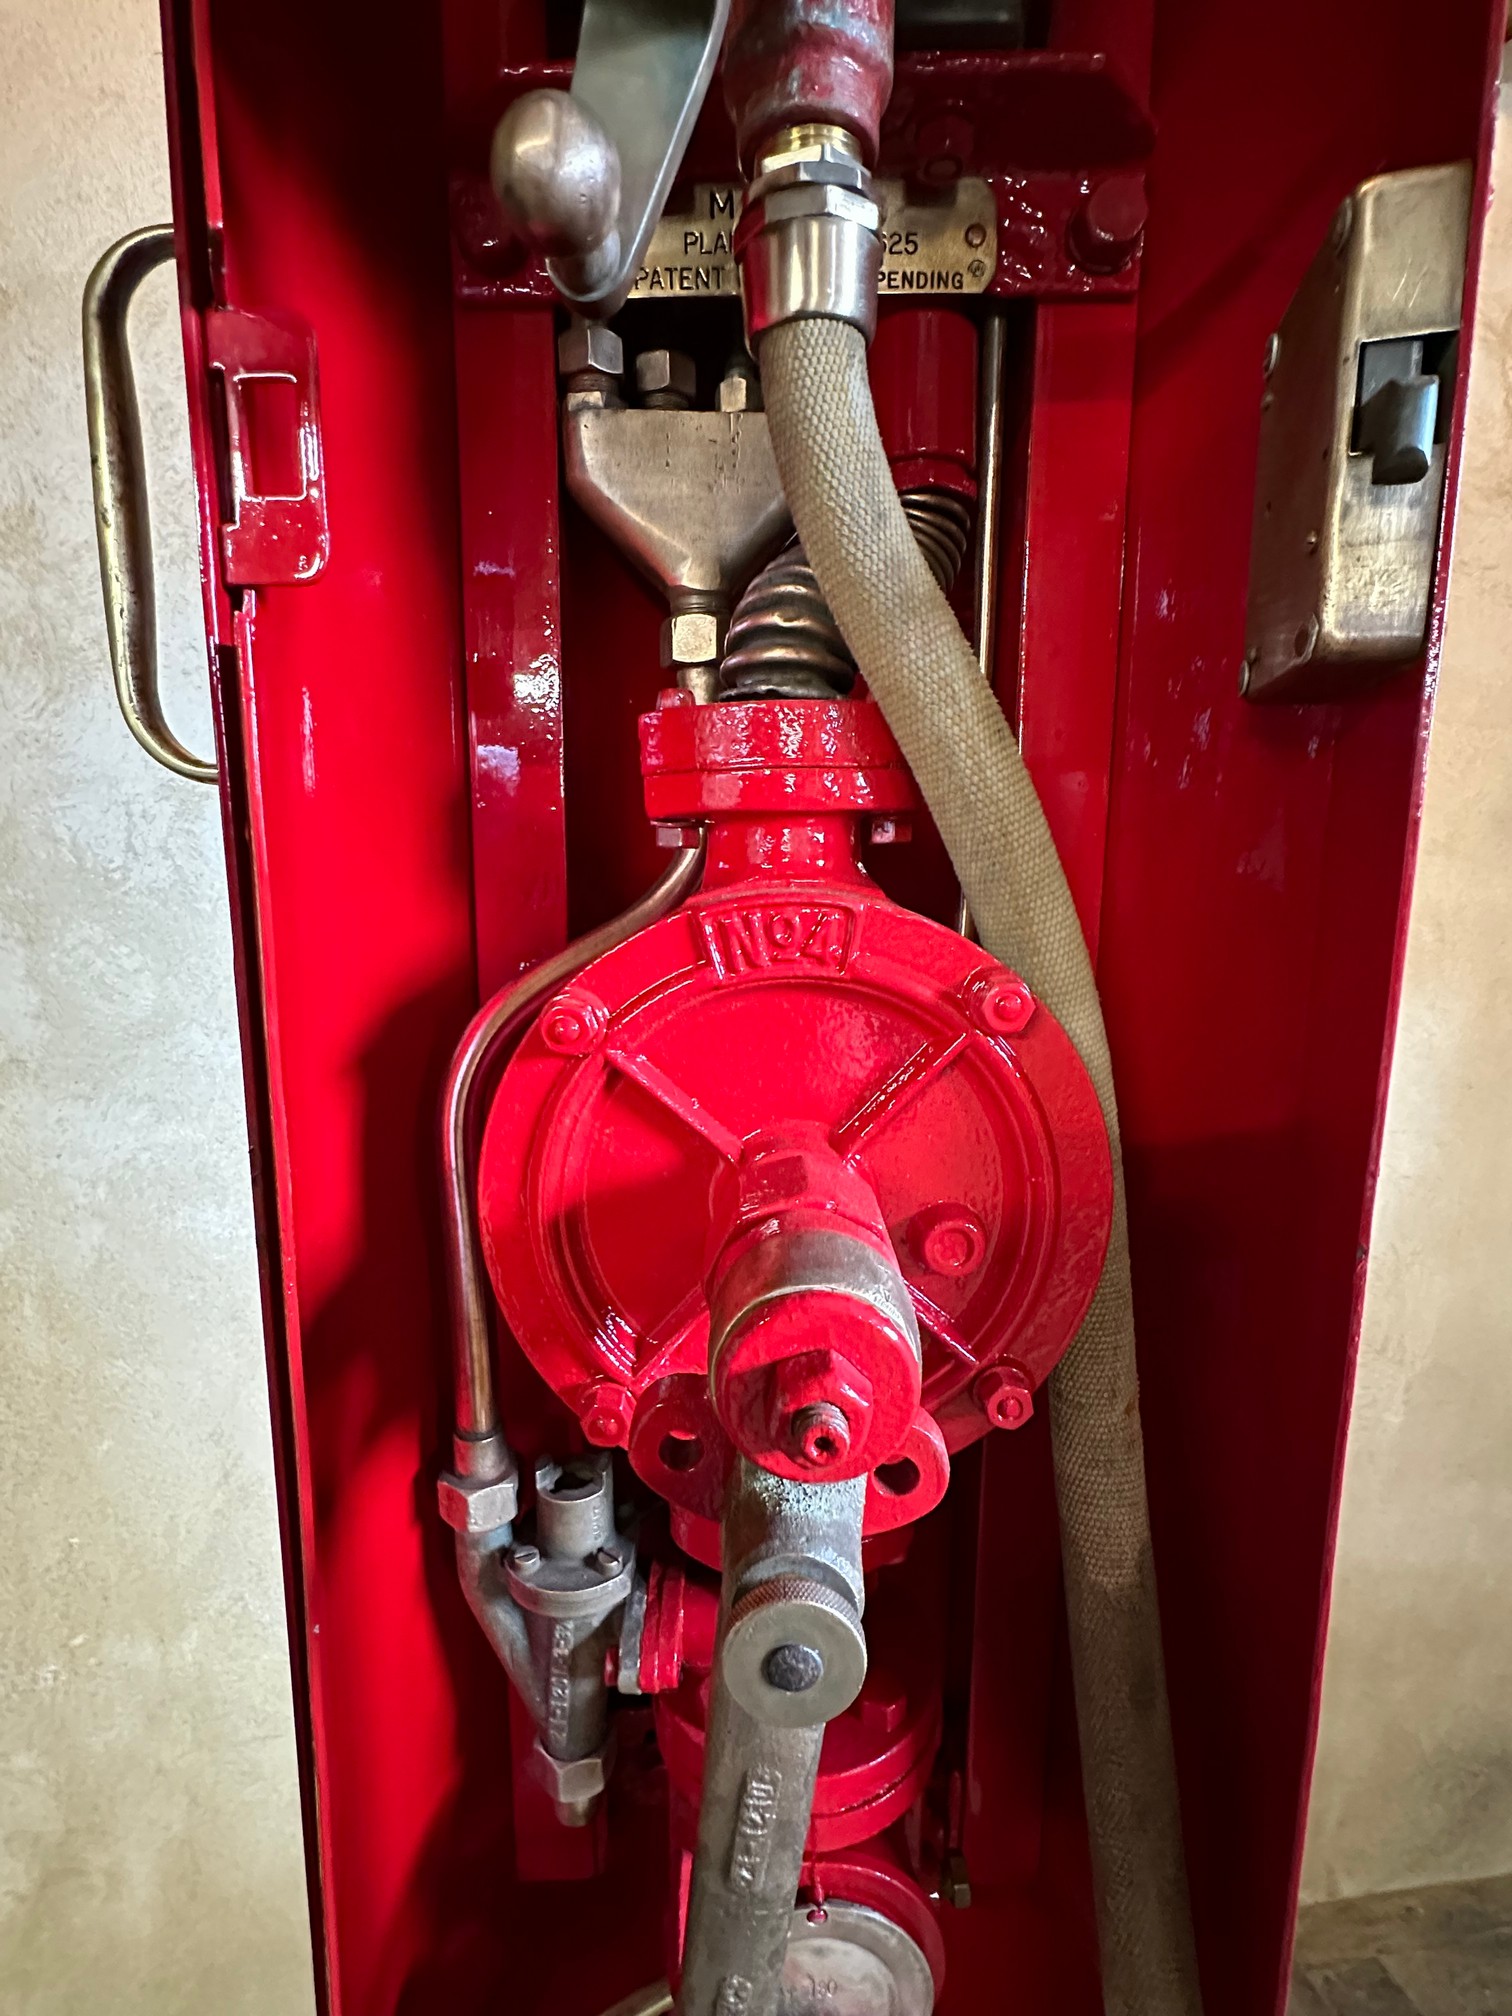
x: 1353, y: 432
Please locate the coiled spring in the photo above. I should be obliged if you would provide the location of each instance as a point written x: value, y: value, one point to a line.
x: 784, y: 643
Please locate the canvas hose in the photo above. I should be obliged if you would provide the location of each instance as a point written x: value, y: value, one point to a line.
x: 923, y: 672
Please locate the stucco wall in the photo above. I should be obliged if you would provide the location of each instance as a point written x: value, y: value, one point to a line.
x: 150, y: 1851
x: 1414, y: 1770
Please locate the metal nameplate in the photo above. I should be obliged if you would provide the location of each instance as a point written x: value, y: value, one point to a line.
x: 945, y: 244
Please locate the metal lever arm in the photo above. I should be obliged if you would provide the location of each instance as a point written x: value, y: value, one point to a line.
x: 119, y: 475
x: 585, y: 176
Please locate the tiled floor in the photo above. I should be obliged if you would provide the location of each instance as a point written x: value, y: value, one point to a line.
x: 1440, y: 1952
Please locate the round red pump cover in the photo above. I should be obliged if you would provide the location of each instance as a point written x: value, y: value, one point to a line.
x: 762, y: 1006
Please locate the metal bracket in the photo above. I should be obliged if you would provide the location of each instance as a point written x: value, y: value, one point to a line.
x: 278, y: 532
x: 1353, y: 433
x: 585, y: 176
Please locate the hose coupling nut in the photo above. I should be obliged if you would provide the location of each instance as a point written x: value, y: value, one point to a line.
x: 480, y: 1494
x: 809, y: 238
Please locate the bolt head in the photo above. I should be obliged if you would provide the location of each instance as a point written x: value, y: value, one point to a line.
x: 666, y: 374
x: 1108, y: 229
x: 1002, y: 1007
x: 573, y: 1023
x: 1005, y: 1396
x: 948, y: 1239
x: 694, y: 638
x: 590, y: 346
x: 608, y: 1413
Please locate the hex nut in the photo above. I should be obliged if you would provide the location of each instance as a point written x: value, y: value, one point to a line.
x: 477, y: 1504
x: 590, y: 346
x: 571, y: 1780
x: 666, y: 374
x: 739, y: 392
x: 695, y: 638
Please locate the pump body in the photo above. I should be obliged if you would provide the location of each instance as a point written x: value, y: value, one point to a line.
x: 787, y: 1198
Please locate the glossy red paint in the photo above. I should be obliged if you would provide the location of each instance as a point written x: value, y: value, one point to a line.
x: 1244, y: 874
x: 1046, y: 128
x: 924, y: 375
x: 807, y: 62
x: 1255, y: 863
x: 790, y: 1018
x: 877, y: 1756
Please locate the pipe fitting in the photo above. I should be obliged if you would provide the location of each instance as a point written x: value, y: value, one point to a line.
x: 809, y: 238
x: 481, y: 1493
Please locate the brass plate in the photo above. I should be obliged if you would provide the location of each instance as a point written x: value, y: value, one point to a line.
x: 945, y: 245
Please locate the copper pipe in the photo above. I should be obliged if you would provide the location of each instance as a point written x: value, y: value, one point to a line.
x: 477, y: 1411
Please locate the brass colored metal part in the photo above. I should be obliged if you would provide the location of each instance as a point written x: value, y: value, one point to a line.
x: 945, y: 245
x: 118, y: 472
x: 1342, y: 558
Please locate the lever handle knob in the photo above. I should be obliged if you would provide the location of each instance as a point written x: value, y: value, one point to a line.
x: 556, y: 173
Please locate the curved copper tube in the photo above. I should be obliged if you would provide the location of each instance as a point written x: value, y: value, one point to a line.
x: 477, y: 1412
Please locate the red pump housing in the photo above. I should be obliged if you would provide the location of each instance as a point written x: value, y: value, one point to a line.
x: 789, y: 1052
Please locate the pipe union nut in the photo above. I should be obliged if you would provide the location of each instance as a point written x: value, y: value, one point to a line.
x: 477, y: 1504
x: 809, y: 242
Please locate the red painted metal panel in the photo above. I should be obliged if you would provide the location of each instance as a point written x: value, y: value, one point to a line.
x: 507, y: 448
x: 395, y: 733
x: 1249, y: 924
x: 1067, y: 646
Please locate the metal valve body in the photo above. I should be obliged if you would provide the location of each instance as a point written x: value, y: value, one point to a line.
x: 796, y: 1173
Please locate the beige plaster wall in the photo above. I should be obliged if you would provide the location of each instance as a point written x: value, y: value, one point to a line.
x: 150, y: 1850
x: 1414, y: 1771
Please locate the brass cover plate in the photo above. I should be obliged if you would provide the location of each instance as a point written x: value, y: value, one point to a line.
x: 943, y: 245
x: 1341, y: 567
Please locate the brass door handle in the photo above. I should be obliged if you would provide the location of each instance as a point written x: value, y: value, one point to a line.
x: 119, y: 475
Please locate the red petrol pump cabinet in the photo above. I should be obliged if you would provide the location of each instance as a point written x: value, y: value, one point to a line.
x: 778, y: 1192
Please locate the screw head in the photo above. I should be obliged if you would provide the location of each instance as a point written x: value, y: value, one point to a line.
x: 792, y: 1669
x: 524, y: 1559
